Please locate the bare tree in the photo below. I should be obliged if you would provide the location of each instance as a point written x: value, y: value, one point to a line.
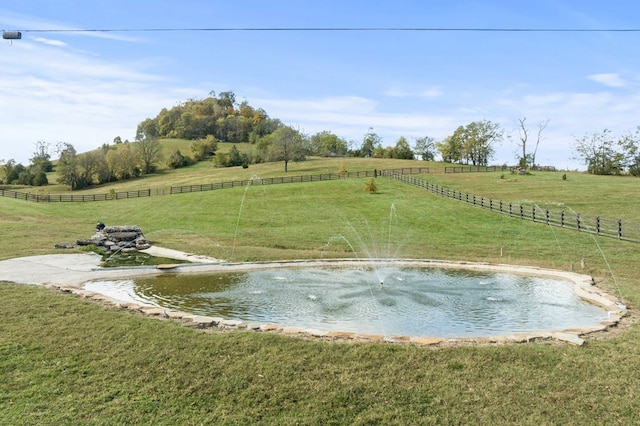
x: 523, y: 134
x: 528, y: 159
x: 541, y: 126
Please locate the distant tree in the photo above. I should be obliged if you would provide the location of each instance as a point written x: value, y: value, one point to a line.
x: 327, y: 144
x: 285, y: 144
x: 88, y: 167
x: 121, y: 163
x: 117, y: 140
x: 204, y: 148
x: 370, y: 142
x: 425, y: 148
x: 176, y: 160
x: 67, y: 167
x: 235, y: 157
x: 41, y: 159
x: 147, y: 129
x: 402, y: 150
x: 473, y: 143
x: 629, y: 144
x: 9, y: 171
x: 451, y: 148
x: 25, y: 177
x: 149, y: 152
x: 528, y: 159
x: 598, y: 153
x: 40, y: 179
x: 480, y: 137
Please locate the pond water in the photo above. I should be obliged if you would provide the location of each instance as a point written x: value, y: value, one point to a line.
x: 411, y: 302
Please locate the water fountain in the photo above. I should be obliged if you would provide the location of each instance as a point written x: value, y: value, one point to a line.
x: 377, y: 293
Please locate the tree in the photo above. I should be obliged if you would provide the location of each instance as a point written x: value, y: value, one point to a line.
x: 629, y: 143
x: 528, y: 159
x: 451, y: 147
x: 370, y: 142
x: 149, y: 153
x: 286, y: 144
x: 402, y: 150
x: 88, y: 165
x: 121, y: 162
x: 41, y: 159
x: 598, y: 153
x: 204, y: 148
x: 472, y: 143
x: 67, y: 167
x: 148, y: 129
x: 327, y: 144
x: 176, y: 160
x: 425, y: 148
x: 9, y: 170
x: 479, y: 138
x: 40, y: 179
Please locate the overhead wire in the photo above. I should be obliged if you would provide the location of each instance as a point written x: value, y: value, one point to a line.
x: 336, y: 29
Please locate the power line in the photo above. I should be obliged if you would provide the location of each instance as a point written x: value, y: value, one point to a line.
x: 339, y: 29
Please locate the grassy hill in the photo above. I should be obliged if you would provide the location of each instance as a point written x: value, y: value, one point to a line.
x: 68, y: 361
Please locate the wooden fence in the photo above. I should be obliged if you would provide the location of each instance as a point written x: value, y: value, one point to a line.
x: 295, y: 179
x: 81, y: 198
x: 476, y: 169
x: 73, y: 198
x: 614, y: 228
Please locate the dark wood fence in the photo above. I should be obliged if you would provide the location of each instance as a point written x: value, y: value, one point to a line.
x: 476, y: 169
x: 75, y: 198
x: 295, y: 179
x: 614, y: 228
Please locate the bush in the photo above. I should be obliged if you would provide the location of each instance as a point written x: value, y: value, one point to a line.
x: 40, y: 179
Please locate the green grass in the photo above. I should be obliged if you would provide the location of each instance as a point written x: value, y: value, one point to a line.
x: 68, y: 361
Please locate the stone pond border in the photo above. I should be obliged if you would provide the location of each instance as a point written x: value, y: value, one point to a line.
x: 70, y: 272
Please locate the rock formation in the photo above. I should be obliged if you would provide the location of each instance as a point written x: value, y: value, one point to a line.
x: 117, y: 238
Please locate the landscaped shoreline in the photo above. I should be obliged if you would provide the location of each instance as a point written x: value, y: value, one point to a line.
x: 69, y: 272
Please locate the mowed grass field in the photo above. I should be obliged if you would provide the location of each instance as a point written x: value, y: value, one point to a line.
x: 68, y: 361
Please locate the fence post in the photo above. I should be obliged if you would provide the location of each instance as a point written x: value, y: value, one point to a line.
x: 619, y: 229
x: 533, y: 213
x: 562, y: 218
x: 597, y: 224
x: 521, y: 212
x: 578, y: 221
x: 546, y: 215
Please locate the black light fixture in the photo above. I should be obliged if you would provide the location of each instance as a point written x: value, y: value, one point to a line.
x: 11, y: 35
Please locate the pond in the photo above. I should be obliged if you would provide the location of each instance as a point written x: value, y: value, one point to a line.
x: 412, y: 301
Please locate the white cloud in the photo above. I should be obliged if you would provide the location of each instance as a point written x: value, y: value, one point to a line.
x: 50, y: 42
x: 608, y: 79
x: 56, y: 95
x: 432, y: 92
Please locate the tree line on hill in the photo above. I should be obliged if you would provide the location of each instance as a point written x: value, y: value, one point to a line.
x: 220, y: 119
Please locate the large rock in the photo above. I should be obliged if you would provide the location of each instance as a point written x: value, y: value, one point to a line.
x: 117, y: 238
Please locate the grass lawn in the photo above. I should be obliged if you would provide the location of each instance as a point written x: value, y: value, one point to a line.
x: 67, y: 361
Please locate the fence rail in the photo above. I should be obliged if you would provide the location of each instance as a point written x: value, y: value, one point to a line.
x: 614, y: 228
x: 76, y: 198
x: 294, y: 179
x: 476, y: 169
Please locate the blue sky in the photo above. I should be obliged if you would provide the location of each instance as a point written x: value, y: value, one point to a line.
x: 85, y: 88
